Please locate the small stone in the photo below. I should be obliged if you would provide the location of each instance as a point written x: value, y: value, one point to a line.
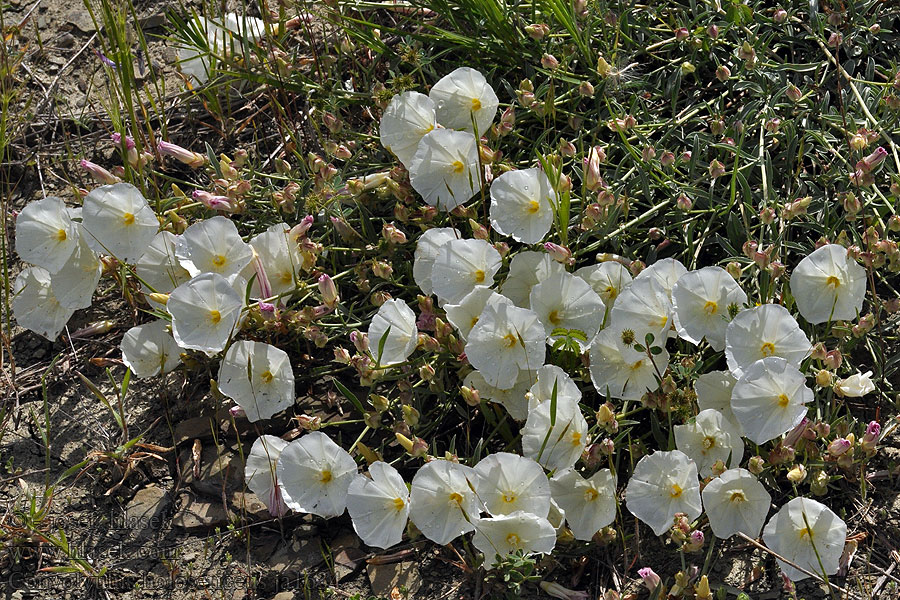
x: 66, y: 40
x: 215, y: 469
x: 194, y: 428
x: 347, y: 562
x: 81, y: 19
x: 147, y: 510
x: 287, y: 561
x: 385, y: 578
x: 197, y: 514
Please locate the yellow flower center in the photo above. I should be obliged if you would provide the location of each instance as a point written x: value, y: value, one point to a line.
x: 510, y: 340
x: 215, y: 316
x: 576, y: 438
x: 710, y: 308
x: 708, y: 442
x: 591, y: 494
x: 428, y: 129
x: 479, y: 276
x: 476, y: 104
x: 663, y: 321
x: 455, y: 497
x: 325, y: 476
x: 533, y: 206
x: 399, y: 503
x: 286, y: 277
x: 267, y: 377
x: 509, y: 497
x: 553, y: 317
x: 676, y: 491
x: 513, y: 540
x: 783, y: 400
x: 738, y: 497
x: 767, y: 349
x: 637, y: 365
x: 128, y: 219
x: 806, y: 532
x: 474, y: 321
x: 611, y: 292
x: 458, y: 166
x: 218, y: 260
x: 833, y: 282
x: 61, y: 235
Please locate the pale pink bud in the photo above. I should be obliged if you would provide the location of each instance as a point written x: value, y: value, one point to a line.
x: 213, y: 201
x: 767, y: 215
x: 393, y: 235
x: 682, y: 34
x: 839, y: 446
x: 549, y: 62
x: 667, y: 158
x: 833, y: 359
x: 99, y: 173
x: 328, y: 291
x: 723, y: 73
x: 772, y: 125
x: 183, y: 155
x: 537, y: 31
x: 756, y: 464
x: 341, y: 355
x: 685, y: 156
x: 237, y: 412
x: 650, y: 578
x: 333, y: 123
x: 793, y: 436
x: 586, y: 89
x: 793, y: 92
x: 835, y: 39
x: 713, y: 31
x: 872, y: 161
x: 684, y: 203
x: 648, y: 153
x: 716, y: 169
x: 360, y: 341
x: 780, y: 16
x: 592, y: 179
x: 566, y: 148
x: 870, y: 437
x: 560, y: 254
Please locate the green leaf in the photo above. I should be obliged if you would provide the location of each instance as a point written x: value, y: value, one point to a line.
x: 350, y: 396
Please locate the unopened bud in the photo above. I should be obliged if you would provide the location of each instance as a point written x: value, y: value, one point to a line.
x: 793, y: 92
x: 756, y: 464
x: 723, y: 73
x: 797, y: 474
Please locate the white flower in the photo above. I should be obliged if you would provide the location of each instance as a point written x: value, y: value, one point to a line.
x: 213, y: 246
x: 666, y: 272
x: 767, y: 330
x: 550, y: 377
x: 205, y: 311
x: 509, y: 482
x: 444, y: 169
x: 441, y: 501
x: 465, y: 314
x: 260, y: 472
x: 526, y: 270
x: 608, y: 279
x: 620, y: 371
x: 462, y: 95
x: 770, y: 399
x: 395, y: 323
x: 735, y: 501
x: 35, y: 307
x: 521, y: 205
x: 408, y: 117
x: 460, y: 266
x: 117, y: 220
x: 558, y: 445
x: 710, y: 437
x: 502, y: 535
x: 828, y: 285
x: 258, y: 377
x: 74, y: 284
x: 314, y: 474
x: 856, y: 385
x: 513, y: 399
x: 701, y: 300
x: 589, y: 504
x: 568, y: 302
x: 427, y: 249
x: 644, y: 307
x: 379, y: 506
x: 158, y: 267
x: 713, y: 390
x: 505, y: 340
x: 800, y: 531
x: 221, y: 40
x: 663, y: 484
x: 46, y: 236
x: 150, y: 349
x: 280, y: 257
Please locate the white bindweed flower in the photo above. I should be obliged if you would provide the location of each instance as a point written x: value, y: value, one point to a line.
x: 550, y: 378
x: 664, y: 484
x: 589, y: 504
x: 117, y: 220
x: 714, y: 390
x: 213, y: 246
x: 770, y: 399
x: 804, y: 532
x: 205, y: 312
x: 379, y: 505
x: 526, y: 270
x: 461, y: 266
x: 280, y: 257
x: 260, y: 472
x: 158, y: 267
x: 74, y: 284
x: 499, y: 536
x: 564, y: 301
x: 522, y: 205
x: 150, y: 349
x: 444, y: 170
x: 767, y: 330
x: 314, y: 474
x: 464, y: 315
x: 644, y: 307
x: 220, y: 40
x: 395, y: 325
x: 427, y: 249
x: 258, y: 377
x: 702, y: 301
x: 505, y: 341
x: 408, y: 117
x: 608, y: 279
x: 828, y: 285
x: 556, y: 443
x: 34, y: 305
x: 441, y: 500
x: 509, y: 482
x: 462, y: 96
x: 710, y: 437
x: 736, y: 502
x: 666, y: 272
x: 46, y: 236
x: 856, y: 385
x: 620, y: 371
x: 513, y: 399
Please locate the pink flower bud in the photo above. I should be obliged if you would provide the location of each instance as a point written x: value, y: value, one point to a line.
x: 648, y: 153
x: 793, y: 436
x: 667, y: 158
x: 191, y: 159
x: 328, y: 291
x: 592, y: 179
x: 650, y: 578
x: 393, y: 235
x: 780, y: 16
x: 566, y: 148
x: 793, y: 92
x: 716, y: 169
x: 213, y: 201
x: 756, y: 464
x: 833, y: 359
x: 549, y: 62
x: 683, y: 203
x: 537, y: 31
x: 560, y: 254
x: 723, y: 73
x: 333, y: 123
x: 682, y: 34
x: 872, y: 161
x: 839, y: 446
x: 586, y: 89
x: 360, y: 341
x: 99, y: 173
x: 237, y: 412
x: 712, y: 31
x: 835, y: 39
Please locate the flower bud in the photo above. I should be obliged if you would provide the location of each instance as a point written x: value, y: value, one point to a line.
x: 718, y: 468
x: 470, y: 396
x: 780, y: 16
x: 603, y: 68
x: 767, y: 215
x: 833, y: 360
x: 328, y: 291
x: 648, y: 153
x: 592, y: 179
x: 549, y: 62
x: 192, y: 159
x: 650, y: 578
x: 560, y: 254
x: 586, y: 89
x: 99, y: 173
x: 682, y: 34
x: 555, y: 590
x: 870, y: 438
x: 537, y: 31
x: 566, y: 148
x: 687, y: 68
x: 871, y: 162
x: 797, y: 474
x: 713, y: 31
x: 818, y: 483
x: 683, y: 203
x: 734, y: 269
x: 723, y: 73
x: 839, y: 446
x: 835, y: 39
x: 824, y: 378
x: 716, y: 169
x: 756, y: 464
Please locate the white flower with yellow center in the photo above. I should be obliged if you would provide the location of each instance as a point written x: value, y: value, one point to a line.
x: 522, y: 205
x: 159, y: 268
x: 464, y: 315
x: 258, y: 377
x: 662, y: 485
x: 280, y: 257
x: 589, y: 504
x: 618, y: 370
x: 205, y: 312
x: 213, y: 246
x: 770, y: 399
x: 314, y: 474
x: 550, y: 378
x: 427, y: 249
x: 393, y: 334
x: 806, y: 532
x: 526, y: 270
x: 564, y: 301
x: 555, y: 436
x: 260, y: 472
x: 444, y: 169
x: 34, y: 305
x: 708, y: 438
x: 461, y: 266
x: 501, y: 535
x: 644, y: 306
x: 701, y: 300
x: 736, y: 501
x: 150, y: 349
x: 117, y: 220
x: 379, y: 505
x: 462, y: 96
x: 509, y: 482
x: 442, y: 502
x: 761, y: 332
x: 857, y: 385
x: 608, y: 279
x: 407, y: 118
x: 828, y: 285
x: 513, y: 399
x: 75, y: 283
x: 46, y: 236
x: 714, y: 390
